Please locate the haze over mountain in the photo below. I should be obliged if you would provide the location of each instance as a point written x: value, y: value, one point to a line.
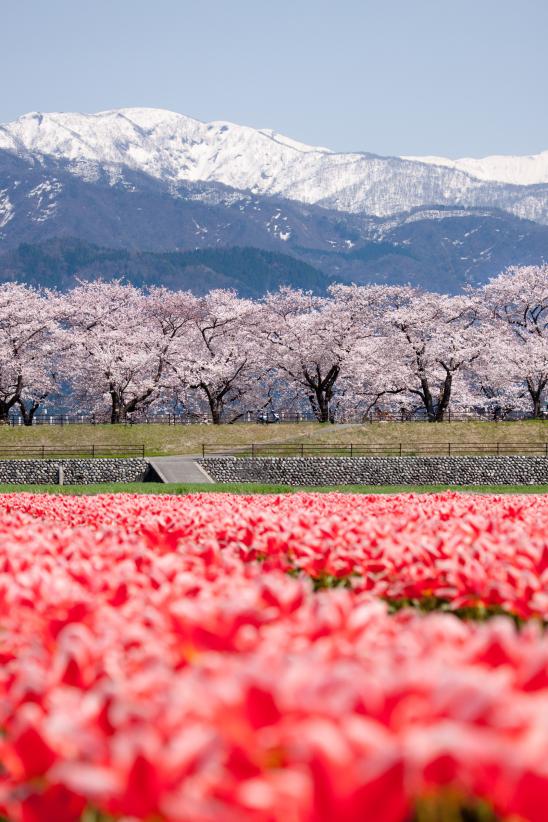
x: 148, y: 180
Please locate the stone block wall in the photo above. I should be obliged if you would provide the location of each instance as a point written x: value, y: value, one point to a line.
x: 508, y: 470
x: 75, y: 471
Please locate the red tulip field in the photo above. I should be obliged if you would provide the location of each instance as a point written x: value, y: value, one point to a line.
x: 300, y: 658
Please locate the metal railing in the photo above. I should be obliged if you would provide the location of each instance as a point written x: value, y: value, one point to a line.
x: 471, y: 415
x: 13, y: 452
x: 94, y: 419
x: 15, y: 420
x: 375, y: 416
x: 53, y: 419
x: 396, y: 449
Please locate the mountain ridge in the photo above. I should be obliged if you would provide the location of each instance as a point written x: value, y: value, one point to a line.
x: 494, y: 168
x: 174, y: 148
x: 531, y: 169
x: 399, y: 222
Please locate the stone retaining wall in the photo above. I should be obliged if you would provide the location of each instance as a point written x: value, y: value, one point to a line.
x: 380, y: 470
x: 74, y: 471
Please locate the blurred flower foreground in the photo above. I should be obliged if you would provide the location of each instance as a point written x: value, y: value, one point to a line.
x: 304, y: 658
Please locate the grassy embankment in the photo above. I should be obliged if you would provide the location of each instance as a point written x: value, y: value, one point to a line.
x: 256, y: 488
x: 169, y: 440
x: 188, y: 439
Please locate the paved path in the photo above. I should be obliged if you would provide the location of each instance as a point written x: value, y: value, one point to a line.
x: 179, y: 469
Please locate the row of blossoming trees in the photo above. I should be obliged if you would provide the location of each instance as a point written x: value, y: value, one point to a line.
x: 115, y: 349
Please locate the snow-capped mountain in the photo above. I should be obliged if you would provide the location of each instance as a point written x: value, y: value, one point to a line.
x: 155, y: 196
x: 135, y: 226
x: 531, y: 169
x: 174, y: 148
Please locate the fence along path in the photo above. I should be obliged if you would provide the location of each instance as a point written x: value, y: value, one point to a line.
x: 398, y: 449
x: 281, y: 417
x: 93, y: 451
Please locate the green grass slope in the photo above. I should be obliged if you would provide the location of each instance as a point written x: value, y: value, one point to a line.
x: 188, y: 439
x: 248, y: 488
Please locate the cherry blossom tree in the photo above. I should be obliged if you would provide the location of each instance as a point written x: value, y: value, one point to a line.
x: 118, y: 342
x: 310, y: 339
x: 516, y: 318
x: 123, y: 350
x: 372, y: 375
x: 219, y: 360
x: 434, y: 340
x: 368, y: 382
x: 29, y: 343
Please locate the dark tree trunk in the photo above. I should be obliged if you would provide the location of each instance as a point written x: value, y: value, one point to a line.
x: 117, y: 410
x: 535, y: 392
x: 116, y: 415
x: 445, y: 397
x: 216, y: 411
x: 4, y: 412
x: 426, y: 396
x: 28, y: 412
x: 320, y: 404
x: 323, y: 405
x: 436, y: 412
x: 323, y: 392
x: 215, y: 402
x: 5, y: 408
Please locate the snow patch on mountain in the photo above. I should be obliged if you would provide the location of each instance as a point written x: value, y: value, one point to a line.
x: 45, y: 199
x: 278, y: 225
x: 6, y: 208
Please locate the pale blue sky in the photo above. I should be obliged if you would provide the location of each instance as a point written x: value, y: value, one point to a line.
x: 451, y: 77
